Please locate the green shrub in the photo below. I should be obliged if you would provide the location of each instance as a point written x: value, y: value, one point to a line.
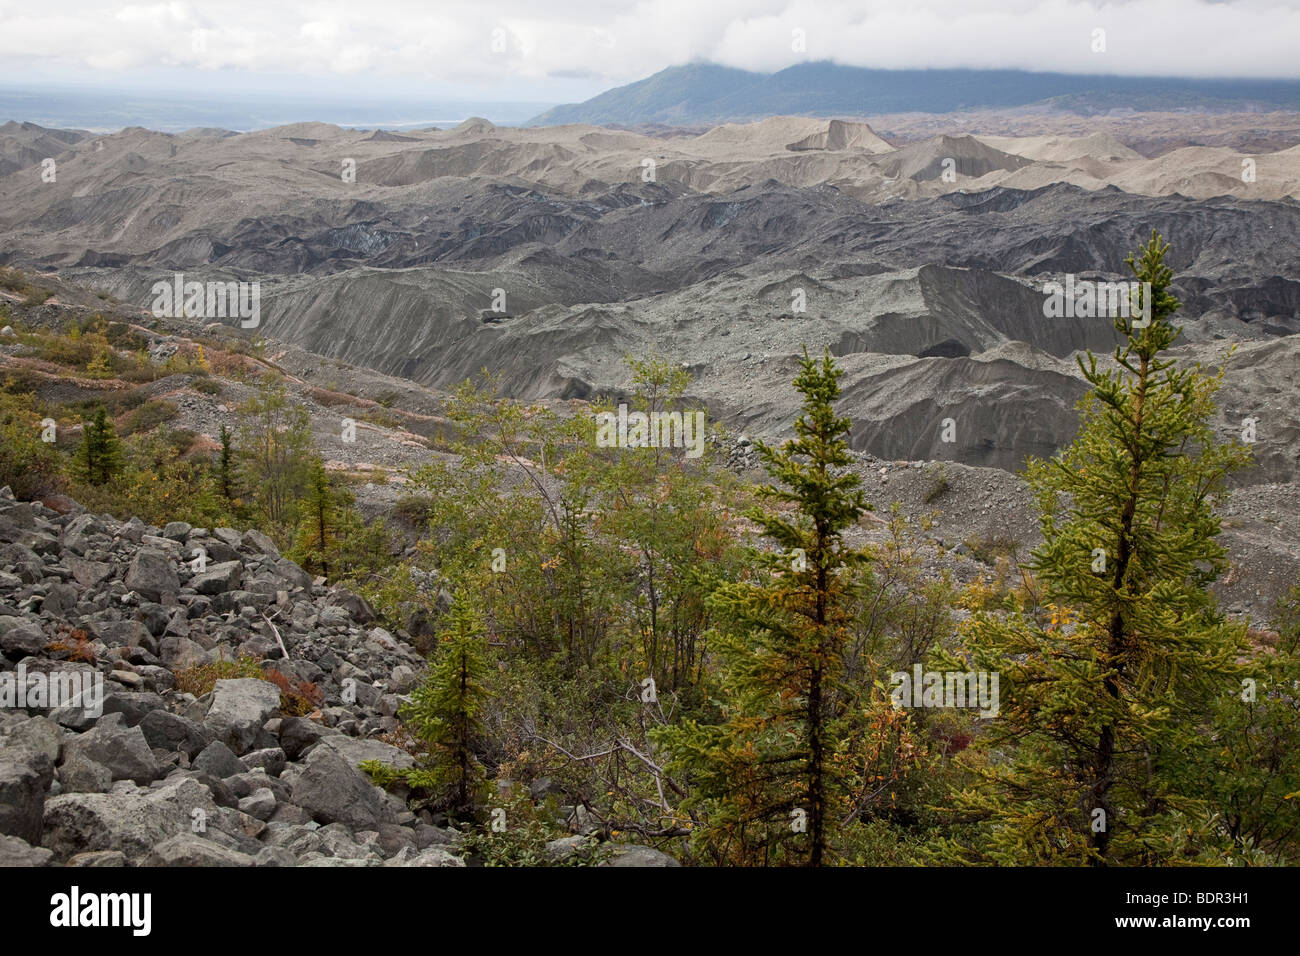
x: 938, y: 483
x: 148, y: 416
x: 29, y: 466
x: 522, y: 842
x: 987, y: 548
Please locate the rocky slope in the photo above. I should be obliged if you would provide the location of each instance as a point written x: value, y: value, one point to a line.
x: 157, y: 777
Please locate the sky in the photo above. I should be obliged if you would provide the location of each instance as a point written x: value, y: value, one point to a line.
x: 570, y: 50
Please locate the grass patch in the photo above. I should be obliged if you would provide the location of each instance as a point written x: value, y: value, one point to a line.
x: 384, y: 419
x: 330, y: 397
x: 297, y: 697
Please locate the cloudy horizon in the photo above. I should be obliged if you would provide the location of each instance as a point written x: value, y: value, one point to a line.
x: 565, y: 52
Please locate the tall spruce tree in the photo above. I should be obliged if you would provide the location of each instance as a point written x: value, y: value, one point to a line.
x: 445, y: 712
x: 227, y: 482
x: 99, y: 456
x: 319, y: 516
x: 773, y: 781
x: 1102, y: 703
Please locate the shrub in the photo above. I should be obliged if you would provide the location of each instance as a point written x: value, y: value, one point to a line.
x: 73, y: 349
x: 76, y: 645
x: 987, y: 548
x: 415, y: 509
x: 938, y: 483
x: 29, y: 466
x: 384, y: 419
x: 298, y: 697
x: 122, y: 336
x: 330, y: 397
x: 523, y: 842
x: 13, y: 280
x: 148, y: 416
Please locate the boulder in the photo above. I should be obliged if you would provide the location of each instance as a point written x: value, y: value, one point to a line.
x: 25, y: 775
x: 172, y: 732
x: 129, y: 820
x: 189, y: 849
x: 256, y: 541
x: 20, y: 637
x: 239, y: 709
x: 433, y: 856
x: 218, y: 761
x: 260, y: 803
x: 98, y: 858
x: 218, y: 578
x: 89, y: 574
x: 37, y: 733
x: 357, y: 751
x: 631, y: 855
x: 151, y: 574
x: 80, y: 774
x: 122, y: 749
x: 332, y: 790
x: 15, y: 851
x: 297, y: 734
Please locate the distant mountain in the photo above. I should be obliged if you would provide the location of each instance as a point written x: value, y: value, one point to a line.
x: 112, y: 109
x: 703, y: 93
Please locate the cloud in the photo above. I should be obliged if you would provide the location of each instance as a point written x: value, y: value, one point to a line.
x: 600, y: 43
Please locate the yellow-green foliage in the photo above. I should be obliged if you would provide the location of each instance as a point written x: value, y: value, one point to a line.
x: 29, y: 466
x: 201, y: 678
x: 297, y: 697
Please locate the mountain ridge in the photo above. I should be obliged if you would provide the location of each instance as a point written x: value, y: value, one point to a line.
x: 700, y: 92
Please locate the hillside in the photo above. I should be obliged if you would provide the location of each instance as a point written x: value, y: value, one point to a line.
x: 703, y: 93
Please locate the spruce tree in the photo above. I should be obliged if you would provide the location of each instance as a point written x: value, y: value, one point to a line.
x: 770, y: 783
x: 1102, y: 702
x: 99, y: 456
x: 275, y: 448
x: 226, y: 480
x: 1249, y: 767
x: 318, y: 518
x: 445, y: 712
